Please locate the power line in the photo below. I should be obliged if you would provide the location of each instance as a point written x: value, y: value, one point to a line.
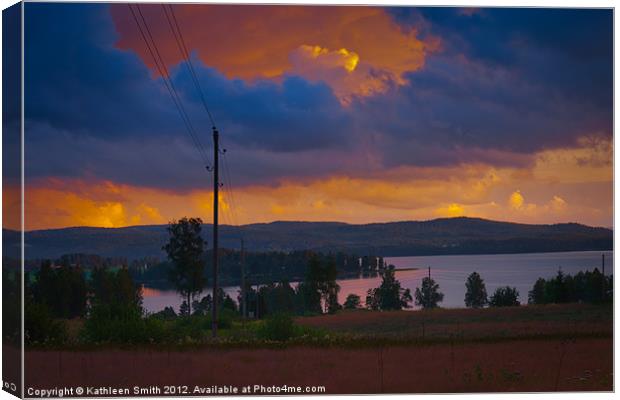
x: 167, y: 76
x: 178, y: 36
x: 233, y: 201
x: 182, y: 46
x: 163, y: 71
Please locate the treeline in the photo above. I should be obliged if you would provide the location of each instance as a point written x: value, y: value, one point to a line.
x: 584, y: 287
x: 262, y: 267
x: 87, y: 261
x: 55, y: 294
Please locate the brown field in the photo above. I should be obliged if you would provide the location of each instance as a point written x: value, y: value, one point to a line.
x: 524, y: 349
x: 470, y: 324
x: 529, y: 365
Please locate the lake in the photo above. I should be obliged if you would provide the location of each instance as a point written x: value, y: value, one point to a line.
x: 450, y: 272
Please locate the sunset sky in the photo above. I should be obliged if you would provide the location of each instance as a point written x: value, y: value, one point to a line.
x: 354, y: 114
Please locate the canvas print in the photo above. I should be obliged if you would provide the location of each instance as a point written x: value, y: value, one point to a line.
x: 229, y: 199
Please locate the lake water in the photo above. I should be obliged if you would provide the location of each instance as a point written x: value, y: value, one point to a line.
x: 450, y: 272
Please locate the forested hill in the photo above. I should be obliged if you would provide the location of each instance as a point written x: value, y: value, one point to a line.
x: 439, y: 236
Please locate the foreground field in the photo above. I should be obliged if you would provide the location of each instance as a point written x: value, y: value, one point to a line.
x: 552, y: 348
x: 531, y: 365
x: 554, y: 320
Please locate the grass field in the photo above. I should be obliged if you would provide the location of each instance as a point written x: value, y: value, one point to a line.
x: 554, y: 320
x: 549, y: 348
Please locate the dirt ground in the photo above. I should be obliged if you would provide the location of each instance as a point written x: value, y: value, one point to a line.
x: 521, y: 365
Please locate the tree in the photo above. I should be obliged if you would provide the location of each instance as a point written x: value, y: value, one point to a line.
x: 428, y: 296
x: 389, y: 295
x: 352, y: 302
x: 476, y: 294
x: 320, y: 287
x: 185, y: 248
x: 62, y: 290
x: 537, y: 294
x: 505, y: 297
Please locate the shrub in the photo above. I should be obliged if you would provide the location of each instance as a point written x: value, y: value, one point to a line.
x: 279, y: 327
x: 122, y: 324
x: 505, y: 297
x: 352, y: 302
x: 40, y: 327
x: 166, y: 314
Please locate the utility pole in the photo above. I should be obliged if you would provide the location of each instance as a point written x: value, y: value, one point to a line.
x: 429, y: 272
x: 244, y: 295
x: 604, y: 279
x: 216, y: 190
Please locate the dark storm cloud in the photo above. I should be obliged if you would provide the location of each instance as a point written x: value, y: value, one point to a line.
x: 95, y: 111
x: 506, y: 80
x: 506, y: 84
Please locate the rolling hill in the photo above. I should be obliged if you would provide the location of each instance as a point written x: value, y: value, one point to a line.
x: 440, y: 236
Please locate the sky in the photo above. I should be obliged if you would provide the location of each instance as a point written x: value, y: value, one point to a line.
x: 353, y: 114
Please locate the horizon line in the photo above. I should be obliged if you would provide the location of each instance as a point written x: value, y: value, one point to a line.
x: 319, y: 222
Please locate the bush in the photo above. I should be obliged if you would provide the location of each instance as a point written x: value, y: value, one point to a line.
x: 122, y: 324
x: 279, y: 327
x: 352, y: 302
x: 166, y: 314
x: 40, y: 327
x: 505, y: 297
x: 198, y: 327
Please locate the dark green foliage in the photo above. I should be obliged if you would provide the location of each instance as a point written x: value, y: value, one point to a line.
x: 198, y: 327
x: 308, y: 299
x: 352, y: 302
x: 428, y: 296
x: 185, y: 248
x: 116, y: 314
x: 476, y: 294
x: 320, y: 289
x: 264, y: 267
x: 166, y: 314
x: 537, y: 294
x: 61, y: 289
x: 505, y: 297
x: 184, y: 309
x: 202, y: 307
x: 276, y: 298
x: 224, y: 301
x: 118, y: 323
x: 40, y: 326
x: 389, y: 295
x: 115, y: 287
x: 278, y: 326
x: 587, y: 287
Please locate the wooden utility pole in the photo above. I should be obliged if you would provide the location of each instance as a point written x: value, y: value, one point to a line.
x: 429, y: 272
x: 604, y: 279
x: 244, y: 295
x: 216, y: 191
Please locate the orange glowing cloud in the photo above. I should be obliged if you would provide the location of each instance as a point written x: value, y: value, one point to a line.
x: 550, y: 190
x: 357, y: 51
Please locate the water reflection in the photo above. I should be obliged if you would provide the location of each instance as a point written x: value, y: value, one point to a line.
x: 450, y: 272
